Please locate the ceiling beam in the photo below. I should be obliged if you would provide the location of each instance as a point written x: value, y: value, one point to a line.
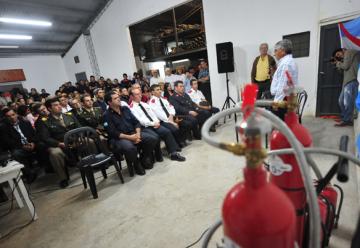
x: 49, y: 8
x: 90, y: 21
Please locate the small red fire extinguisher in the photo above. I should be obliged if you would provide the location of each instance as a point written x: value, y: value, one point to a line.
x: 256, y: 213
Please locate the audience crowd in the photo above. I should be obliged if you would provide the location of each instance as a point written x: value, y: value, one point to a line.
x: 131, y: 117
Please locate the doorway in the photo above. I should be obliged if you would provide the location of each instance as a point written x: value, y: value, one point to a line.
x: 329, y: 78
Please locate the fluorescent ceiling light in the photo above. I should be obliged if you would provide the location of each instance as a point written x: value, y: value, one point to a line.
x: 8, y: 47
x: 15, y: 37
x: 25, y: 22
x: 180, y: 61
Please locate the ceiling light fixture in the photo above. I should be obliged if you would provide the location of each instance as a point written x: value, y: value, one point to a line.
x: 15, y: 37
x: 25, y: 22
x: 8, y: 47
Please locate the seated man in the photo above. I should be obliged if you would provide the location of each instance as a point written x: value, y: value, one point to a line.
x: 189, y: 111
x: 126, y: 136
x: 18, y: 137
x: 64, y: 102
x: 52, y: 132
x: 99, y: 94
x: 124, y: 95
x: 152, y: 125
x: 165, y: 112
x: 93, y: 117
x: 199, y: 99
x: 76, y: 107
x: 89, y: 115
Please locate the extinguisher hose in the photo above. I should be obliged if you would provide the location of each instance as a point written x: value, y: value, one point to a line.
x: 210, y: 233
x: 315, y: 228
x: 321, y: 150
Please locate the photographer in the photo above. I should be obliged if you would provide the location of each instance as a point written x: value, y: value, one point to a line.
x: 347, y: 61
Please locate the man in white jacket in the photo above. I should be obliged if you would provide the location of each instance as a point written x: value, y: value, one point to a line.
x: 165, y: 112
x: 151, y: 124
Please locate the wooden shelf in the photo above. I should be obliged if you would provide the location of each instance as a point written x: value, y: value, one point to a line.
x: 183, y: 34
x: 177, y: 56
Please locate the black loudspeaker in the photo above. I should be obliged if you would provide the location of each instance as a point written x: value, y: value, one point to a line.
x: 225, y: 57
x: 76, y: 59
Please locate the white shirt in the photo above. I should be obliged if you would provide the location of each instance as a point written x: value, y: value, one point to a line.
x: 123, y: 104
x: 171, y: 79
x: 279, y: 82
x: 141, y: 116
x: 154, y: 80
x: 181, y: 77
x: 65, y: 110
x: 158, y: 109
x: 196, y: 96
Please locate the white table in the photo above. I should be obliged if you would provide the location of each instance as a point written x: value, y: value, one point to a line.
x: 11, y: 172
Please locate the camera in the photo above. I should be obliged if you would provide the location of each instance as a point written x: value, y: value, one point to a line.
x: 336, y: 59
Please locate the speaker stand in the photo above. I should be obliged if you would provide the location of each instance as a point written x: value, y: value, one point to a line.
x: 227, y: 104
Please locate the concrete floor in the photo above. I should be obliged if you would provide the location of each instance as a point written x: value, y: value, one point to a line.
x: 169, y: 207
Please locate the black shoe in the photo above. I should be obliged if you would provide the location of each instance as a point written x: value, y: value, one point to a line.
x: 177, y: 157
x: 344, y: 124
x: 139, y: 170
x: 64, y: 183
x: 159, y: 158
x: 147, y: 166
x: 182, y: 144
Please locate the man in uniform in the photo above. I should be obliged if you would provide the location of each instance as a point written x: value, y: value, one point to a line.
x: 165, y: 112
x: 126, y: 136
x: 93, y: 117
x: 52, y: 134
x: 152, y: 125
x: 185, y: 107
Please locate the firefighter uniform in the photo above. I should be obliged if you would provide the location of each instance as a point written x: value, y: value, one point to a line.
x: 52, y: 132
x: 163, y: 111
x: 94, y: 118
x: 183, y: 105
x: 147, y: 118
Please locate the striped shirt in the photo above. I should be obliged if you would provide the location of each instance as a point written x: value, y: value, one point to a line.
x: 279, y: 82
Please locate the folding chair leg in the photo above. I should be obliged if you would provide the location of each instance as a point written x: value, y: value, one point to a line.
x: 118, y: 169
x: 83, y: 177
x: 103, y: 171
x: 91, y: 180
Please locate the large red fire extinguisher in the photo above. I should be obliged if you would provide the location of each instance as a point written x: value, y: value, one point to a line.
x: 288, y: 177
x: 256, y: 213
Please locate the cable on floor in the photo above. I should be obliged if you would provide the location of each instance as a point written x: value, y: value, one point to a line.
x: 198, y: 240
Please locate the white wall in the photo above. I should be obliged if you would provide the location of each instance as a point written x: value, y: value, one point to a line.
x: 334, y: 8
x: 78, y: 49
x: 46, y: 72
x: 111, y: 37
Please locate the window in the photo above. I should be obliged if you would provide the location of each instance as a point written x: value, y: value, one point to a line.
x: 301, y: 44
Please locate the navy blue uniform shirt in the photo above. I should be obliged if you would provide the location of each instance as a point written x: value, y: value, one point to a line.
x: 124, y: 123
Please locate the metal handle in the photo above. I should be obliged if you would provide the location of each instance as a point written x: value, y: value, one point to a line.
x: 343, y: 163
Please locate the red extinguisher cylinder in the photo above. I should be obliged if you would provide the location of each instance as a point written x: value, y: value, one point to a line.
x: 257, y: 214
x: 291, y: 182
